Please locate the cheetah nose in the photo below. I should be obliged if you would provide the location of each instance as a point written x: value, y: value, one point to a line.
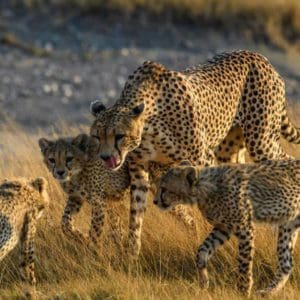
x: 60, y: 173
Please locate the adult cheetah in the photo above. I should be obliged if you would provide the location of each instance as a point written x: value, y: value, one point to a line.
x: 22, y: 203
x: 232, y: 197
x: 167, y: 116
x: 83, y: 177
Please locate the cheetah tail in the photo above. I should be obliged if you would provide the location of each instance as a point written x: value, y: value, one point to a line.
x: 288, y: 130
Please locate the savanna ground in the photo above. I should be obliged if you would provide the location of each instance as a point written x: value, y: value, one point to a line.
x: 53, y: 63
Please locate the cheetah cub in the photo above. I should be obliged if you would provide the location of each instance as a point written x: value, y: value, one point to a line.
x: 232, y: 197
x: 83, y: 178
x: 22, y: 203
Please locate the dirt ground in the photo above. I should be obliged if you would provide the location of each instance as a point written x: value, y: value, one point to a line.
x: 85, y: 57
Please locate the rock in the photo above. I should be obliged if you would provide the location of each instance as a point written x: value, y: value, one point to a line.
x: 48, y: 47
x: 54, y: 87
x: 47, y: 88
x: 77, y: 79
x: 111, y: 93
x: 67, y: 90
x: 125, y: 52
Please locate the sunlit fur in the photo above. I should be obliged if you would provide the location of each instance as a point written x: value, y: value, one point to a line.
x: 87, y: 179
x: 232, y: 197
x: 22, y: 203
x: 109, y: 125
x: 187, y: 114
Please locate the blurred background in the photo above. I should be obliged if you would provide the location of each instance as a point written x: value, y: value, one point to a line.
x: 58, y: 55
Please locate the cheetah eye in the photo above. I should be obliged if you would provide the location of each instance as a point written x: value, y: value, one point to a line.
x: 69, y: 159
x: 119, y: 137
x: 51, y: 160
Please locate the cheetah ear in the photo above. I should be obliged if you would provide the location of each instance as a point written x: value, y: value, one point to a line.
x: 81, y: 142
x: 40, y: 184
x: 190, y: 175
x: 96, y: 108
x: 185, y: 163
x: 44, y: 144
x: 93, y: 143
x: 136, y: 111
x: 153, y: 68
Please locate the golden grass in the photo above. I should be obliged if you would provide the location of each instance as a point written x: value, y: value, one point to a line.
x: 166, y: 266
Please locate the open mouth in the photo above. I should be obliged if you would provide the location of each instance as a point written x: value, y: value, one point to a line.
x: 112, y: 163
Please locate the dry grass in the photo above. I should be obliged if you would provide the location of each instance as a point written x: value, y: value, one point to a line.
x: 166, y: 266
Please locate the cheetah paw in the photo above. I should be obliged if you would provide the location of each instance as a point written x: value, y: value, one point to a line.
x: 265, y: 292
x: 32, y: 294
x: 203, y: 278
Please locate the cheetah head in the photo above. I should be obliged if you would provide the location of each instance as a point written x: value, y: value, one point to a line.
x: 66, y: 157
x: 118, y: 130
x: 177, y: 186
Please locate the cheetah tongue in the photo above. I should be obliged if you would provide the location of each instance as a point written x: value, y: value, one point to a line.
x: 111, y: 162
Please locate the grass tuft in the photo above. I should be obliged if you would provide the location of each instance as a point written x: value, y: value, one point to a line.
x: 166, y: 266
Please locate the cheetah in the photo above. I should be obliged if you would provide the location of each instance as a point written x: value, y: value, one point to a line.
x: 167, y: 116
x: 83, y: 177
x: 231, y: 198
x: 22, y: 203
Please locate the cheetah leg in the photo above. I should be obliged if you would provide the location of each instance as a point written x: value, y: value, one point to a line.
x: 181, y: 213
x: 232, y: 148
x: 276, y: 152
x: 287, y: 237
x: 72, y: 208
x: 27, y: 250
x: 241, y: 156
x: 215, y: 239
x: 8, y: 237
x: 263, y: 144
x: 245, y: 258
x: 97, y: 222
x: 209, y: 158
x: 139, y: 190
x: 116, y: 226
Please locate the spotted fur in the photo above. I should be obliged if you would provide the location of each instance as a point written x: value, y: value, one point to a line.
x: 83, y: 177
x: 166, y: 116
x: 232, y: 148
x: 22, y: 202
x: 231, y: 198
